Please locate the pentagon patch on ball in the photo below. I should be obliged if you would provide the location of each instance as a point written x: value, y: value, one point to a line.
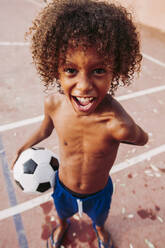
x: 35, y: 169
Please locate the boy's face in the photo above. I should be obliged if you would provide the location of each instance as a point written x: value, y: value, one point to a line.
x: 85, y: 79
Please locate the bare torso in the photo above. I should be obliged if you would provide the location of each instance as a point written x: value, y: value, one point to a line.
x: 87, y: 150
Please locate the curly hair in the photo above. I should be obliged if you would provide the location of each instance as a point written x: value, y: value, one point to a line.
x: 85, y: 22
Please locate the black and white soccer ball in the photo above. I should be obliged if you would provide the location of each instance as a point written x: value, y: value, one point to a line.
x: 35, y: 169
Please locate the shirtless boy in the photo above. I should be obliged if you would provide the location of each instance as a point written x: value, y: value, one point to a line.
x: 87, y: 48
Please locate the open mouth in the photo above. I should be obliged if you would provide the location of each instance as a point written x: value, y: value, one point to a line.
x: 84, y: 104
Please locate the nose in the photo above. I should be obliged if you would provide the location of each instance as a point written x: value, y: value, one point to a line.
x: 84, y: 83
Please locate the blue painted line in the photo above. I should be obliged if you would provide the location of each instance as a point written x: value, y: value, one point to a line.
x: 12, y: 198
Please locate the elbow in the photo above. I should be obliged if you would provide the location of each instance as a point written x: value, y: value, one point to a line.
x: 46, y: 133
x: 139, y: 140
x: 145, y: 139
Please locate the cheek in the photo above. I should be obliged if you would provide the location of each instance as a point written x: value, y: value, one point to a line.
x: 66, y: 85
x: 104, y: 86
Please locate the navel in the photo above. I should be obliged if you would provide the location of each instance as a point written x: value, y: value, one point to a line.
x: 65, y: 143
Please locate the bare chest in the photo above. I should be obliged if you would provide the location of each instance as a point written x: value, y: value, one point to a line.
x: 82, y: 134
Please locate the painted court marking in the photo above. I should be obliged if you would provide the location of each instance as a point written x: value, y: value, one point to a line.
x: 46, y: 197
x: 40, y: 118
x: 141, y: 93
x: 36, y: 3
x: 6, y: 43
x: 156, y: 61
x: 21, y: 123
x: 146, y: 56
x: 12, y: 199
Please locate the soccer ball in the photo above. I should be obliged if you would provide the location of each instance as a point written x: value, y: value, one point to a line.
x: 34, y: 171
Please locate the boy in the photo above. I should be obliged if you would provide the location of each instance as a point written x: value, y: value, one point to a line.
x: 87, y: 48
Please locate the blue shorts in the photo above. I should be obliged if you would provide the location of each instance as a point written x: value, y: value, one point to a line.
x: 96, y: 206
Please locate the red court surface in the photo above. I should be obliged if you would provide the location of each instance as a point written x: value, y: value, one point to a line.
x: 137, y: 216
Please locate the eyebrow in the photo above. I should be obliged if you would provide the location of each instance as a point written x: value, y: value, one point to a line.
x: 100, y: 63
x: 67, y: 62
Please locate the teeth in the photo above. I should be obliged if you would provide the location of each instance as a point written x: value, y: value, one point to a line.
x: 85, y: 99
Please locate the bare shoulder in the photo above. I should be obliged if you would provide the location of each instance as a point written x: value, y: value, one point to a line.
x: 121, y: 122
x: 117, y: 112
x: 120, y: 113
x: 52, y: 101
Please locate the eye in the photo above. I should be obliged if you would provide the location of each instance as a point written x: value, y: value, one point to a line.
x: 70, y: 71
x: 99, y: 71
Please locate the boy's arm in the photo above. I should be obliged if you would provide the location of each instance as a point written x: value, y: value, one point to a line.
x: 130, y: 133
x: 134, y: 135
x: 40, y: 134
x: 124, y: 129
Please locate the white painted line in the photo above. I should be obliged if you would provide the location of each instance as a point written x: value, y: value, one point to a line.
x: 141, y: 93
x: 13, y: 125
x: 46, y: 197
x: 21, y: 123
x: 144, y: 156
x: 6, y: 43
x: 156, y: 61
x: 24, y: 206
x: 36, y: 3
